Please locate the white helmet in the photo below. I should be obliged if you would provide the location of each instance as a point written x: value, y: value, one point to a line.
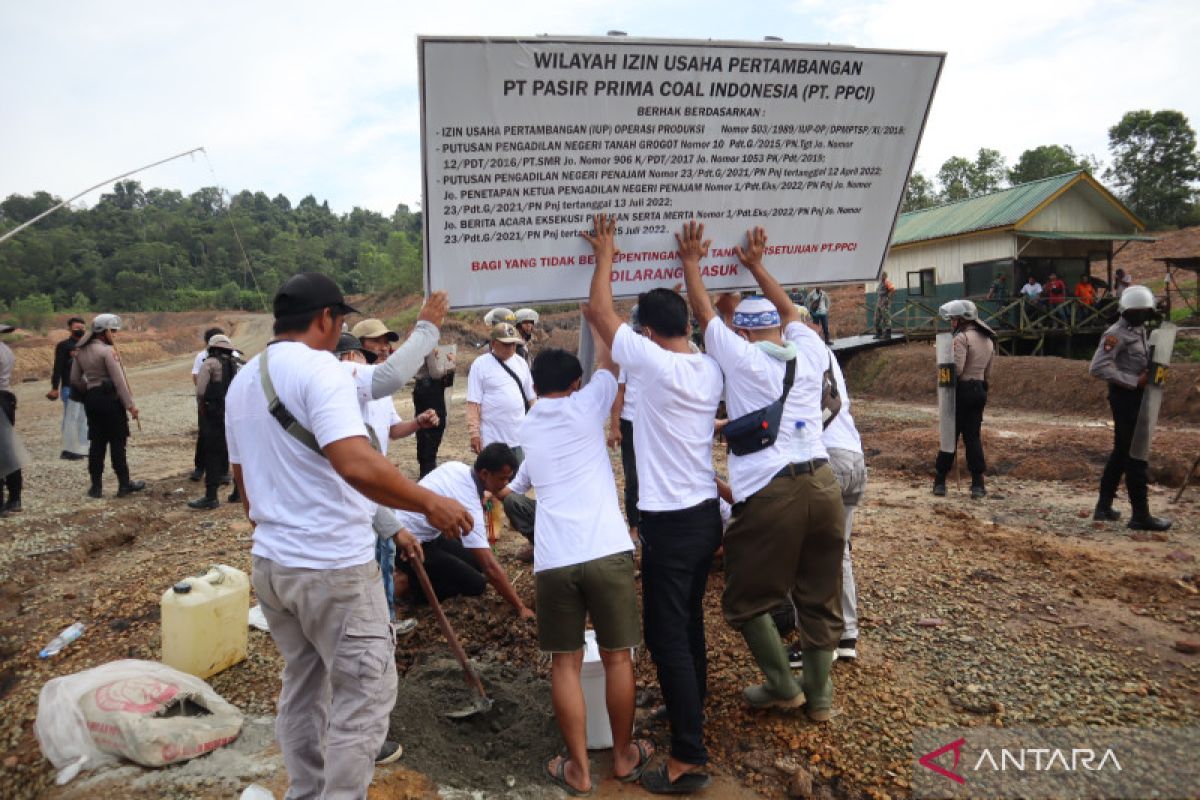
x: 1136, y: 297
x: 106, y: 322
x: 959, y: 308
x: 526, y: 315
x: 498, y: 315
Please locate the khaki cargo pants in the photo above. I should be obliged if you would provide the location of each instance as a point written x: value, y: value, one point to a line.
x: 339, y: 675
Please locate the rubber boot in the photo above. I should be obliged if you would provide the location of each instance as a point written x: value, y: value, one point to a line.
x: 817, y: 684
x: 781, y: 689
x: 1104, y: 511
x: 1140, y: 519
x: 97, y: 490
x: 939, y: 485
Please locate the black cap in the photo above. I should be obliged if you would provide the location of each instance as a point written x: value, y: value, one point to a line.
x: 309, y: 291
x: 348, y: 343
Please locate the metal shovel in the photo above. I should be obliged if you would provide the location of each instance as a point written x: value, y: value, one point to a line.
x: 481, y: 702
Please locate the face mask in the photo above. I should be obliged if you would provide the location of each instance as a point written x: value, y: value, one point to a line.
x: 76, y: 334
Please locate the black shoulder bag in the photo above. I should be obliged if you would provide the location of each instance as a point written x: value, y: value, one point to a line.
x: 758, y: 430
x: 513, y: 375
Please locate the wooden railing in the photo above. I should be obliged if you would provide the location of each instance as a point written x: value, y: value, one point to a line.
x: 1013, y: 319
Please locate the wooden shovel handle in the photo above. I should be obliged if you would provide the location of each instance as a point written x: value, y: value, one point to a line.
x: 472, y: 679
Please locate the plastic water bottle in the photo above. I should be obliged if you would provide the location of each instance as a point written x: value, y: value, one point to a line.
x: 803, y: 441
x: 62, y: 640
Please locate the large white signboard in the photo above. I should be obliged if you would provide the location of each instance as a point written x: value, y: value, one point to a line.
x: 525, y: 139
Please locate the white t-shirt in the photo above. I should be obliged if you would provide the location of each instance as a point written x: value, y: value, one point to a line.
x: 566, y: 460
x: 1032, y: 290
x: 305, y: 515
x: 842, y: 433
x: 673, y: 429
x: 455, y: 480
x: 379, y: 414
x: 753, y: 380
x: 501, y: 408
x: 629, y: 405
x: 200, y: 357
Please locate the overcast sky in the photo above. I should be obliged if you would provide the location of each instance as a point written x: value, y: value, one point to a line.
x: 315, y: 97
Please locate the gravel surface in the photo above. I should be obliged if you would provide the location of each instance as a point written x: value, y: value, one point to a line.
x: 1015, y: 610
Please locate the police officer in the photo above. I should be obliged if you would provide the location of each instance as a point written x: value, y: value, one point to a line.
x: 9, y: 480
x: 974, y: 351
x: 212, y: 383
x: 97, y: 375
x: 1123, y: 359
x: 527, y: 320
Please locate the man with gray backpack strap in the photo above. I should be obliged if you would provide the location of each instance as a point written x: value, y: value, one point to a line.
x: 786, y: 536
x: 311, y: 499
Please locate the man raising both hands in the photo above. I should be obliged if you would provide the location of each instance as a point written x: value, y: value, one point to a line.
x: 677, y: 497
x: 787, y: 533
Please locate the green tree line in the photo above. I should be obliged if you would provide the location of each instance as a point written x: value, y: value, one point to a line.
x: 157, y: 250
x: 1154, y: 170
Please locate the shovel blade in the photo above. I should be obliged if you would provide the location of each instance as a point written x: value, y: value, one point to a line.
x: 482, y: 705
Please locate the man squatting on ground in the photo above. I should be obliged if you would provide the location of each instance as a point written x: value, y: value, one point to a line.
x: 680, y: 525
x: 787, y: 536
x: 314, y: 569
x: 1123, y: 359
x: 74, y: 421
x: 583, y: 559
x: 384, y: 425
x: 974, y: 353
x: 464, y: 567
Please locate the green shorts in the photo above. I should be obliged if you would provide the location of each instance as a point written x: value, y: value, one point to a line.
x: 603, y: 588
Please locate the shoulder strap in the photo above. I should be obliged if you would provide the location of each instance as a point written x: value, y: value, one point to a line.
x: 789, y: 375
x: 284, y: 417
x: 513, y: 375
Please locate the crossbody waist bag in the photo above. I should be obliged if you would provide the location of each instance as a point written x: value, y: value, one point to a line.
x: 759, y: 429
x: 513, y: 375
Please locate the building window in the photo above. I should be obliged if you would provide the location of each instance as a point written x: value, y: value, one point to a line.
x: 922, y: 283
x: 978, y: 277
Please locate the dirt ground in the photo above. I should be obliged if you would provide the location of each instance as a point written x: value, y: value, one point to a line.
x: 1013, y: 610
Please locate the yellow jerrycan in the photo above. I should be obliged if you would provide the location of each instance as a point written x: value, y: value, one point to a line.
x: 204, y: 621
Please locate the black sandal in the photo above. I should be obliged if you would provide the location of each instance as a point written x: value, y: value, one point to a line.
x: 659, y: 781
x: 645, y: 753
x: 559, y: 778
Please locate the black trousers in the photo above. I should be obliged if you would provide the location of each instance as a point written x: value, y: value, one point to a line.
x: 451, y: 568
x: 200, y: 460
x: 629, y: 466
x: 1125, y: 404
x: 971, y: 398
x: 677, y: 553
x: 427, y: 394
x: 216, y: 451
x: 108, y: 427
x: 13, y: 482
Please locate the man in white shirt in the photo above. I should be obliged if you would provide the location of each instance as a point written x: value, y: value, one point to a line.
x: 786, y: 536
x: 462, y: 567
x: 583, y: 560
x: 499, y: 392
x: 1032, y: 290
x: 680, y: 524
x: 309, y: 481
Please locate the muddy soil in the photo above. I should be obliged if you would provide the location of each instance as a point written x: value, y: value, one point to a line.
x: 1013, y: 610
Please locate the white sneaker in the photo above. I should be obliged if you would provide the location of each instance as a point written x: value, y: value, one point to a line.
x: 846, y: 650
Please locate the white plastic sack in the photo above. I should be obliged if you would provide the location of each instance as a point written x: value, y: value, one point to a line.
x: 142, y: 710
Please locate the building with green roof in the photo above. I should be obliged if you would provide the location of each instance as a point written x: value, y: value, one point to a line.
x: 1068, y: 224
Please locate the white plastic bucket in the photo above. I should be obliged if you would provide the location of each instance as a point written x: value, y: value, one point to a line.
x: 599, y: 732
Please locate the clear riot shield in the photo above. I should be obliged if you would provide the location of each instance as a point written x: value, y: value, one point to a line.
x: 1162, y: 343
x: 947, y: 383
x: 13, y: 455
